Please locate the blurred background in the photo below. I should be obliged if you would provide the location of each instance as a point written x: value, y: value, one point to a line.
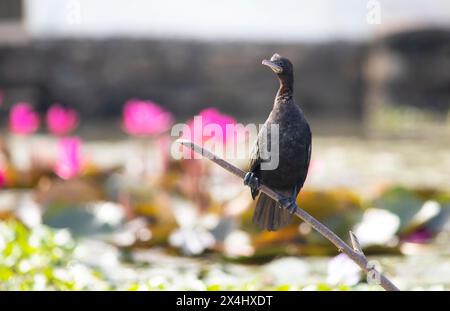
x: 90, y: 197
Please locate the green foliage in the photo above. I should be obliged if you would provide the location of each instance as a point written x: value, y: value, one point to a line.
x: 33, y: 259
x: 44, y: 259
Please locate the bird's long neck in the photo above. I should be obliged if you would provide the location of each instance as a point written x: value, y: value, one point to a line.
x: 286, y: 89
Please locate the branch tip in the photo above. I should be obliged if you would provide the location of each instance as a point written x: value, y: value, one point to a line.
x: 355, y: 243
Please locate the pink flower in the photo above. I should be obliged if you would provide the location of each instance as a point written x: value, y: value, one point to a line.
x: 212, y: 127
x: 420, y: 236
x: 2, y: 178
x: 22, y: 119
x: 68, y: 163
x: 211, y: 124
x: 144, y: 117
x: 60, y: 120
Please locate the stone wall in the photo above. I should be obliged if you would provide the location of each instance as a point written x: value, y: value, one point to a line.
x: 98, y: 76
x: 421, y: 77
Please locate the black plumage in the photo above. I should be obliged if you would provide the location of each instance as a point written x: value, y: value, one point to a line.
x: 294, y: 151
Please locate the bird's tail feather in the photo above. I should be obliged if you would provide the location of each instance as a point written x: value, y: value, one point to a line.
x: 269, y: 214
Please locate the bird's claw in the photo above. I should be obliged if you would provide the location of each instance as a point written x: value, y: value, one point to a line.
x: 251, y: 180
x: 289, y: 204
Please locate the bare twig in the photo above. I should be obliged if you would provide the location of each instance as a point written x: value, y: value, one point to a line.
x: 356, y: 254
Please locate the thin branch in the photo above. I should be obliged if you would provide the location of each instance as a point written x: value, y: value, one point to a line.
x: 355, y: 254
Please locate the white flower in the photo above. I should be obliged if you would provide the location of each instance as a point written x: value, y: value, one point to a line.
x: 29, y: 212
x: 194, y: 236
x: 377, y: 227
x: 62, y: 237
x: 428, y: 210
x: 288, y: 270
x: 192, y: 241
x: 342, y: 270
x: 238, y: 243
x: 97, y: 253
x: 40, y: 282
x: 2, y: 243
x: 108, y: 213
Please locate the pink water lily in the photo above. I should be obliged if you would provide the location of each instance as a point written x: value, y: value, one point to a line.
x: 211, y: 124
x: 420, y: 236
x: 69, y: 162
x: 145, y: 118
x: 2, y: 178
x: 60, y: 120
x: 23, y: 119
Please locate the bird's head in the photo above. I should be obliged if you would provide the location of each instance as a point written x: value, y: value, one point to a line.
x: 280, y: 65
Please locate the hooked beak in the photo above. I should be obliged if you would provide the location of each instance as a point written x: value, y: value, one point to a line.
x: 272, y: 65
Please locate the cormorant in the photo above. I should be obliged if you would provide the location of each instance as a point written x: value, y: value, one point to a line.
x: 294, y: 152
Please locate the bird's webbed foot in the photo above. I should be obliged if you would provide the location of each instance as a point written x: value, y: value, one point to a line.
x: 291, y: 204
x: 252, y: 181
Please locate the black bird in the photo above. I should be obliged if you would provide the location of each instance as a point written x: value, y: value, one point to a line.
x: 294, y: 152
